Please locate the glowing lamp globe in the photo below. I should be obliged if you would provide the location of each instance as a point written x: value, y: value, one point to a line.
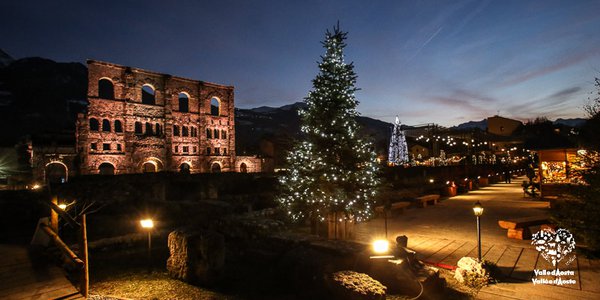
x: 62, y: 206
x: 478, y: 209
x: 147, y: 223
x: 381, y: 246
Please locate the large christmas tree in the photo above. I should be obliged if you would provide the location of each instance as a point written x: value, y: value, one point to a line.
x: 398, y: 151
x: 332, y: 169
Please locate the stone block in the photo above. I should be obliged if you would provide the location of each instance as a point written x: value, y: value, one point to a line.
x: 196, y: 256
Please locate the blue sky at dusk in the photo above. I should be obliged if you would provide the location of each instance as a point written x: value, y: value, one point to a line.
x: 445, y: 62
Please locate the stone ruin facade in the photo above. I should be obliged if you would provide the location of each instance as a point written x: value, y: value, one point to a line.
x: 141, y: 121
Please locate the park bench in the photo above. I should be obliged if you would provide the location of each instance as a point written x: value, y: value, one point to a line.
x: 519, y: 228
x: 396, y: 208
x: 427, y: 199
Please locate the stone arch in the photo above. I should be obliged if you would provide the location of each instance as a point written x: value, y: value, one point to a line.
x: 215, y: 167
x: 106, y: 168
x: 106, y: 88
x: 148, y: 94
x: 215, y: 106
x: 56, y: 172
x: 184, y: 102
x: 185, y: 167
x: 243, y: 168
x: 151, y: 165
x: 118, y: 126
x: 106, y: 125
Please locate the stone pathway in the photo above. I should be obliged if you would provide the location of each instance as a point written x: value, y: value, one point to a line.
x: 444, y: 233
x: 24, y: 278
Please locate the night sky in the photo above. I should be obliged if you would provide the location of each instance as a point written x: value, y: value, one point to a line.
x: 445, y: 62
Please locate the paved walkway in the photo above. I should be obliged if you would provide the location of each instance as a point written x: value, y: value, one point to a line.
x: 24, y: 278
x: 446, y: 232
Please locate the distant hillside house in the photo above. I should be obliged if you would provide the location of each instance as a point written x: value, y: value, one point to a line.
x: 141, y: 121
x: 502, y: 126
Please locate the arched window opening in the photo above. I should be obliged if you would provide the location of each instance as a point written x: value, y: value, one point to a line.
x: 106, y: 125
x: 194, y: 131
x: 138, y: 128
x: 223, y: 134
x: 106, y: 169
x: 149, y: 167
x: 215, y: 168
x: 224, y: 151
x: 184, y: 102
x: 208, y: 133
x: 148, y: 94
x: 118, y: 126
x: 243, y: 168
x: 184, y: 168
x: 175, y: 130
x: 148, y: 128
x: 215, y: 106
x: 106, y: 89
x: 158, y: 129
x: 216, y: 133
x: 94, y: 125
x: 184, y: 131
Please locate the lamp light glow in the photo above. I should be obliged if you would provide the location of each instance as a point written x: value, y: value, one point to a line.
x: 478, y: 209
x: 62, y: 206
x: 381, y: 246
x: 147, y: 223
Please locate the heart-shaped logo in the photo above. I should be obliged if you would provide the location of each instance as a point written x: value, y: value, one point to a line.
x: 553, y: 245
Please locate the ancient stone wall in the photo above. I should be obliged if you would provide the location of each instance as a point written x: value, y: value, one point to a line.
x: 126, y: 130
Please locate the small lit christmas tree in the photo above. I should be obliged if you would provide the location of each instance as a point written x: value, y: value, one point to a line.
x: 398, y: 151
x: 332, y: 170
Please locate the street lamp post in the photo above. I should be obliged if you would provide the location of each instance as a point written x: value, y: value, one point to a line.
x: 148, y: 224
x: 478, y: 211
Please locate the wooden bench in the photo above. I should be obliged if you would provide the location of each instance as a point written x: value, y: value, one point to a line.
x: 519, y: 228
x: 395, y: 209
x: 427, y: 199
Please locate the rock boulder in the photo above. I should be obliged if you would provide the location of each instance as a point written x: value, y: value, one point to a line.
x: 196, y: 256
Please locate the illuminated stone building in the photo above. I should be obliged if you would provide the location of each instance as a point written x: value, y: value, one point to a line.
x: 142, y: 121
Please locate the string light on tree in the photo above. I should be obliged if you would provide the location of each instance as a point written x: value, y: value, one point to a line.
x: 398, y: 150
x: 331, y: 170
